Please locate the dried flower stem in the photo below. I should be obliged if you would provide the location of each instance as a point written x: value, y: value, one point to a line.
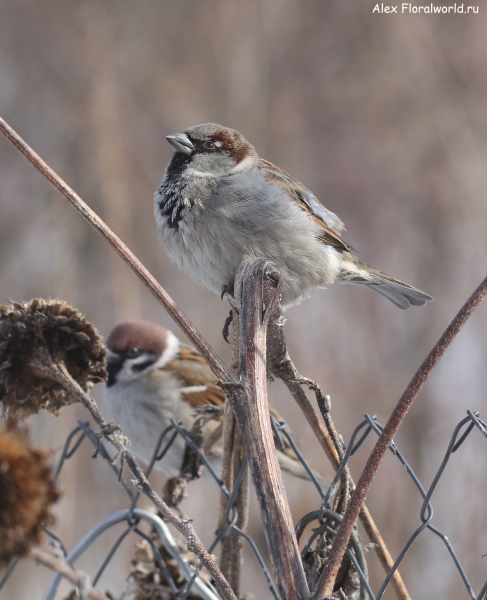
x: 142, y: 273
x: 229, y: 426
x: 233, y: 455
x: 77, y: 578
x: 327, y: 579
x: 227, y: 476
x: 248, y: 400
x: 241, y: 504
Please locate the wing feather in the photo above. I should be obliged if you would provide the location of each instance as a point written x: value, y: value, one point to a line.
x: 329, y: 224
x: 194, y: 372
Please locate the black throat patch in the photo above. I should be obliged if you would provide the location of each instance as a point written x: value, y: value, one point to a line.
x: 171, y: 204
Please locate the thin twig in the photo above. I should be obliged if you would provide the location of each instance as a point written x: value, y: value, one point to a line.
x: 142, y: 273
x: 241, y: 504
x: 77, y: 578
x: 327, y: 579
x: 233, y: 456
x: 229, y: 427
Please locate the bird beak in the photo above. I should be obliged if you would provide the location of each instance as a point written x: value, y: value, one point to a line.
x: 114, y: 358
x: 114, y: 365
x: 180, y: 142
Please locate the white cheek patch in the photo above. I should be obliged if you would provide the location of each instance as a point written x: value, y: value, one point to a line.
x: 171, y: 351
x: 128, y: 375
x: 140, y: 360
x: 218, y: 144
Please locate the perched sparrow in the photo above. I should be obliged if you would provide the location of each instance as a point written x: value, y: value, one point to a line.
x: 219, y: 201
x: 152, y: 378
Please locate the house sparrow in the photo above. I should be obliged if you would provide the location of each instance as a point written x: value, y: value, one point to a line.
x: 152, y: 378
x: 219, y: 201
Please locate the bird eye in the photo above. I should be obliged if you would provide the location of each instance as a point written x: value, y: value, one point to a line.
x: 209, y: 145
x: 133, y: 352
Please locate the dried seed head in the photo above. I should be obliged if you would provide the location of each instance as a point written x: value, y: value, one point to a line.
x: 147, y: 581
x: 27, y: 493
x: 37, y: 337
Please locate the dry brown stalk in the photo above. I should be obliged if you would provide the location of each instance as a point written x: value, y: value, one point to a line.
x: 327, y: 579
x: 233, y: 455
x: 229, y: 426
x: 248, y: 400
x: 77, y: 578
x: 241, y: 504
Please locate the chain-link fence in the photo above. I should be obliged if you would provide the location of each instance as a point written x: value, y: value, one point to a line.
x: 165, y: 548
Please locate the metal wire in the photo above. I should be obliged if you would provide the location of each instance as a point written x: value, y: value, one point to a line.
x: 127, y: 516
x: 133, y: 515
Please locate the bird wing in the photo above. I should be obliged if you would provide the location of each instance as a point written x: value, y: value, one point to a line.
x: 330, y: 225
x: 194, y: 373
x: 200, y: 389
x: 198, y: 381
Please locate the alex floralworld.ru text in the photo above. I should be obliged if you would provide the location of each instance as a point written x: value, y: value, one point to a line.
x: 426, y: 9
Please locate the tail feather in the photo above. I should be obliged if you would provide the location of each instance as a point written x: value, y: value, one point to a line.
x: 289, y: 462
x: 400, y: 293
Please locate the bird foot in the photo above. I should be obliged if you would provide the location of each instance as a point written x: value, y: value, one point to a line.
x: 226, y: 327
x: 228, y: 291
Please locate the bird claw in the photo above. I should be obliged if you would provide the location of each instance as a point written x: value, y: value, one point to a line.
x: 272, y: 274
x: 227, y: 290
x: 226, y: 327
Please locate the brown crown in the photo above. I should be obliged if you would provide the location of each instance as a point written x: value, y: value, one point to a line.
x: 139, y: 334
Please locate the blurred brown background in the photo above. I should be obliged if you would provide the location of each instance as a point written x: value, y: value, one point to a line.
x: 383, y: 116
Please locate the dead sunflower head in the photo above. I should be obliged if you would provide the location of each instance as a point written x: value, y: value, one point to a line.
x: 27, y: 493
x: 146, y: 580
x: 36, y: 338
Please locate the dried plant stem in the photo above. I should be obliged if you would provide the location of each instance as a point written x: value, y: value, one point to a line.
x: 241, y: 504
x: 112, y: 433
x: 248, y: 399
x: 327, y: 579
x: 77, y: 578
x: 281, y: 366
x: 242, y: 498
x: 229, y: 427
x: 142, y: 273
x: 233, y: 455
